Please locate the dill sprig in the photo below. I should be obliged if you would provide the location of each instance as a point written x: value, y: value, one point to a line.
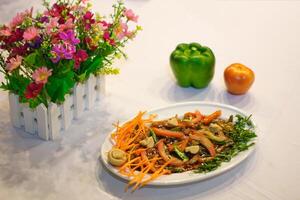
x: 241, y: 135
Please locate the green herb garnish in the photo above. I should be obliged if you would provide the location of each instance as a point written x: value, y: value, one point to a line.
x: 241, y: 134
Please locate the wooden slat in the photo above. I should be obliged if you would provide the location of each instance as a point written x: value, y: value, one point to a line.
x: 78, y: 100
x: 100, y: 84
x: 90, y: 92
x: 28, y: 120
x: 35, y: 126
x: 66, y: 113
x: 54, y: 123
x: 42, y: 122
x: 14, y: 110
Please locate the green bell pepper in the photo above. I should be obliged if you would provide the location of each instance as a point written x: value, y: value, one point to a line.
x: 193, y: 65
x: 181, y: 154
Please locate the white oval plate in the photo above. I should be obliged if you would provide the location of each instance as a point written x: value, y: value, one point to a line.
x: 190, y: 176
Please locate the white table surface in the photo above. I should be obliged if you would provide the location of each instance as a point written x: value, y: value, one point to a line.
x: 264, y: 35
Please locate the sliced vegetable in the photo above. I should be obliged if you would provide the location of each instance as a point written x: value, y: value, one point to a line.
x: 168, y: 133
x: 215, y: 128
x: 147, y: 142
x: 218, y: 138
x: 199, y: 117
x: 181, y: 154
x: 173, y: 121
x: 183, y: 144
x: 192, y: 149
x: 205, y: 142
x: 153, y: 135
x: 161, y: 150
x: 209, y: 118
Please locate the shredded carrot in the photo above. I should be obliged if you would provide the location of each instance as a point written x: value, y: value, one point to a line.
x: 140, y: 168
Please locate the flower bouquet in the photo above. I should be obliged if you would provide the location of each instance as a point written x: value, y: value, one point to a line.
x: 45, y: 56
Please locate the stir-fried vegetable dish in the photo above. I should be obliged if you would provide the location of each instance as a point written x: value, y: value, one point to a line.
x: 145, y: 149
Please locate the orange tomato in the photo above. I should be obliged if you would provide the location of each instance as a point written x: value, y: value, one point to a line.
x: 238, y: 78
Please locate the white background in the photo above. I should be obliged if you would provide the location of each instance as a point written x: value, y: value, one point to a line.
x: 264, y: 35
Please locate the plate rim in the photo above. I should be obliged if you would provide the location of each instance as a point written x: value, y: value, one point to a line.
x: 198, y: 177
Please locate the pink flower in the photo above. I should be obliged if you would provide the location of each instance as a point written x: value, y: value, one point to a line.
x: 19, y: 18
x: 121, y: 30
x: 30, y: 33
x: 130, y: 15
x: 5, y: 31
x: 84, y: 1
x: 14, y: 63
x: 104, y: 25
x: 130, y: 34
x: 52, y: 24
x: 41, y: 75
x: 67, y: 25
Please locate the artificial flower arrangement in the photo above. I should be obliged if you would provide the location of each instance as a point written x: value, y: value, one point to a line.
x: 43, y: 56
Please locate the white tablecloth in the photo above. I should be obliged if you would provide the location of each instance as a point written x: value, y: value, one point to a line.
x: 265, y: 35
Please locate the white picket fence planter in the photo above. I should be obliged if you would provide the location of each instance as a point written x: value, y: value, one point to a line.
x: 49, y: 123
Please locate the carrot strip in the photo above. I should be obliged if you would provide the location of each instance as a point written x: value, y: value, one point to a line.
x: 183, y: 144
x: 168, y: 133
x: 162, y: 153
x: 205, y: 142
x: 199, y: 117
x: 209, y: 118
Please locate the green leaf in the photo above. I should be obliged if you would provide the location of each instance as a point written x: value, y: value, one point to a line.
x: 90, y: 66
x: 58, y: 86
x: 96, y: 65
x: 81, y: 78
x: 35, y: 60
x: 16, y: 84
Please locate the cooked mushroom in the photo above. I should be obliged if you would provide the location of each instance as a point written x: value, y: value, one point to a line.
x: 173, y: 121
x: 192, y: 149
x: 148, y: 142
x: 215, y: 128
x: 117, y: 157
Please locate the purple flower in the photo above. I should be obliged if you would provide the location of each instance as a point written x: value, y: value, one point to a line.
x: 44, y: 19
x: 36, y: 43
x: 60, y: 51
x: 69, y: 37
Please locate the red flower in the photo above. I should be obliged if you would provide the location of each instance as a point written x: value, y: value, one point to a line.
x: 80, y: 57
x: 88, y: 20
x: 106, y: 37
x: 20, y: 50
x: 90, y: 44
x: 15, y: 36
x: 56, y: 10
x: 33, y: 90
